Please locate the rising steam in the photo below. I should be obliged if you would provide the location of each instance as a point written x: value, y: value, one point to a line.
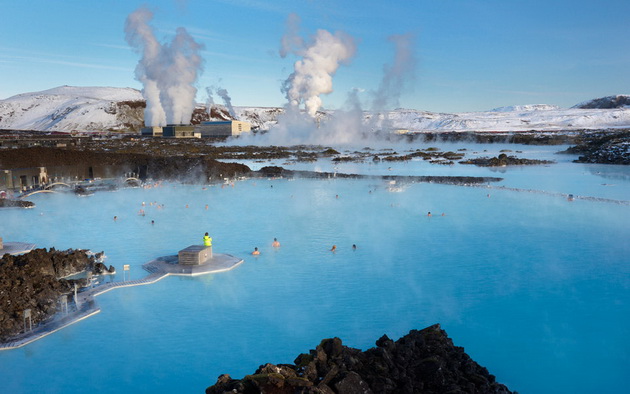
x: 167, y: 72
x: 313, y: 74
x: 227, y: 100
x: 396, y: 75
x: 210, y: 100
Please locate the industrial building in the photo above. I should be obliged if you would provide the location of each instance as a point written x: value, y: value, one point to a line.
x: 153, y: 131
x: 178, y: 131
x: 23, y: 178
x: 226, y: 128
x: 170, y: 131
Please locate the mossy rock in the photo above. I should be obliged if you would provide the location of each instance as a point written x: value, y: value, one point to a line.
x: 330, y: 152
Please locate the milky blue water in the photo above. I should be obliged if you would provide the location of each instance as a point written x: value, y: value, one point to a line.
x: 534, y: 287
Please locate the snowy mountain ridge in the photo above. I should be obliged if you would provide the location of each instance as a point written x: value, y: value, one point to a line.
x: 93, y: 109
x: 618, y: 101
x: 525, y: 108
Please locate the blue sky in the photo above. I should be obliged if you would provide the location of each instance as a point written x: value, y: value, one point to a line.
x: 470, y: 55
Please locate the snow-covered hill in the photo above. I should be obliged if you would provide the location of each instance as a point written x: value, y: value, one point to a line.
x: 618, y: 101
x: 69, y: 108
x: 86, y: 109
x: 518, y: 119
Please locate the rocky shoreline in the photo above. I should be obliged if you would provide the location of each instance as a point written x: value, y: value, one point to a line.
x: 611, y: 147
x: 503, y: 160
x: 424, y: 361
x: 8, y: 203
x: 36, y: 281
x: 193, y: 168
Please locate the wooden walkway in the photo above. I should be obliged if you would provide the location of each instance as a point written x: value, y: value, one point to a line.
x: 16, y: 248
x: 57, y: 323
x: 86, y: 306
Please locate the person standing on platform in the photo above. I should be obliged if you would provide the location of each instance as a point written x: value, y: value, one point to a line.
x: 207, y: 241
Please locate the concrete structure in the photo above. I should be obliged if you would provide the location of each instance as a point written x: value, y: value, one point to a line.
x: 195, y: 255
x: 178, y: 131
x: 85, y: 305
x: 15, y: 248
x: 153, y: 131
x: 23, y: 178
x: 26, y: 141
x: 226, y: 128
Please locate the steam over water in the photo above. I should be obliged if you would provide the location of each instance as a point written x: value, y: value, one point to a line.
x: 534, y: 287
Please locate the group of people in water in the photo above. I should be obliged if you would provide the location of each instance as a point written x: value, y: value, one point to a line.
x: 207, y: 241
x: 275, y: 244
x: 334, y: 248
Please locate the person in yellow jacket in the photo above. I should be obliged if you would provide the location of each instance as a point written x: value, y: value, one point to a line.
x: 207, y: 241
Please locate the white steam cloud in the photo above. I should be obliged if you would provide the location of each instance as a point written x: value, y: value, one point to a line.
x: 227, y: 101
x: 396, y: 75
x: 313, y: 74
x: 167, y: 71
x: 312, y: 77
x: 210, y: 100
x: 225, y: 96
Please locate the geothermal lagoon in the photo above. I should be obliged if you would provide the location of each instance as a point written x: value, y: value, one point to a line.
x: 535, y: 287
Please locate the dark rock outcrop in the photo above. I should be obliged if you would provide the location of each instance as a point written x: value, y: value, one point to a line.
x: 503, y: 160
x: 35, y: 281
x: 424, y: 361
x: 609, y: 102
x: 6, y: 203
x: 611, y: 147
x: 167, y: 165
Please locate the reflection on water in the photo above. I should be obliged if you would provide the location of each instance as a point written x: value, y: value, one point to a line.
x: 615, y: 173
x: 535, y: 288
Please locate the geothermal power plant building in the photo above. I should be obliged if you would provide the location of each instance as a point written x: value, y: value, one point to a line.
x: 228, y: 128
x: 178, y: 131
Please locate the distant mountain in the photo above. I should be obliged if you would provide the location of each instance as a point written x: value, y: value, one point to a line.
x: 69, y: 108
x: 91, y: 109
x: 618, y: 101
x: 525, y: 108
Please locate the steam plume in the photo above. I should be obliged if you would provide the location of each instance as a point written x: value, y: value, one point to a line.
x: 167, y: 71
x: 313, y: 74
x: 291, y: 40
x: 395, y: 75
x: 210, y: 100
x: 223, y: 93
x: 227, y: 101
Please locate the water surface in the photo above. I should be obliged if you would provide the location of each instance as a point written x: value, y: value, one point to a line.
x: 534, y: 287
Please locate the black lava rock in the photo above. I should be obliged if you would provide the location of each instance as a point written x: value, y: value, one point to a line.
x: 424, y: 361
x: 35, y: 281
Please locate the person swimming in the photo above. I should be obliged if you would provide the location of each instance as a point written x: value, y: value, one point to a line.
x: 354, y: 247
x: 334, y: 248
x: 256, y: 252
x: 275, y: 243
